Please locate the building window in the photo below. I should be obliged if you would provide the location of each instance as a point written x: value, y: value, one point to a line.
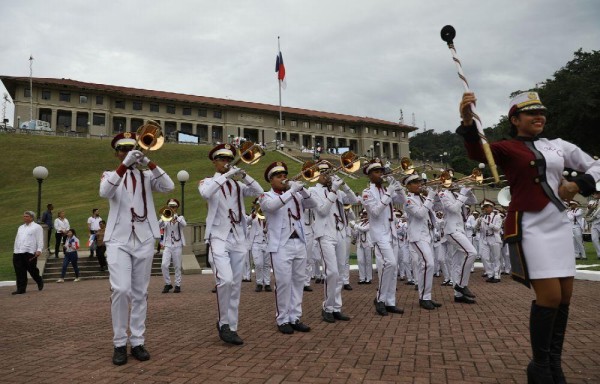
x: 186, y: 128
x: 375, y: 131
x: 366, y: 129
x: 393, y: 133
x: 99, y: 100
x: 294, y: 123
x: 352, y: 130
x: 46, y: 94
x: 99, y: 119
x: 27, y: 92
x: 64, y: 96
x: 305, y: 124
x: 318, y: 126
x: 202, y: 112
x: 82, y: 99
x: 330, y: 127
x: 280, y: 123
x: 137, y: 105
x: 187, y: 111
x: 217, y: 114
x: 154, y: 107
x: 171, y: 109
x: 120, y: 104
x: 404, y: 135
x: 342, y: 128
x: 385, y: 132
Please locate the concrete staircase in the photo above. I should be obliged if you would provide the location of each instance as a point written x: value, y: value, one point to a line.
x: 88, y: 268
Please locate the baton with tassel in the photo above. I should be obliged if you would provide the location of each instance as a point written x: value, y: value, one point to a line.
x: 448, y: 33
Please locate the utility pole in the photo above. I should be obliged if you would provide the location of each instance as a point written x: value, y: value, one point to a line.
x: 30, y: 91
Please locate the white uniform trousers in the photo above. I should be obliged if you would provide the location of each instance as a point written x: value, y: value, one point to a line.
x: 596, y: 238
x: 578, y: 242
x: 227, y: 261
x: 423, y: 252
x: 289, y: 268
x: 129, y: 265
x: 333, y: 262
x: 364, y: 259
x: 463, y: 259
x: 387, y: 268
x: 440, y: 260
x: 405, y: 262
x: 346, y: 275
x: 310, y: 260
x: 318, y: 268
x: 505, y: 259
x: 174, y: 254
x: 247, y: 273
x: 490, y: 255
x: 262, y: 264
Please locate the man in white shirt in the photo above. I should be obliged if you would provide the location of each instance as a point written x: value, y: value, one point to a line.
x: 62, y: 226
x: 93, y: 223
x: 28, y: 247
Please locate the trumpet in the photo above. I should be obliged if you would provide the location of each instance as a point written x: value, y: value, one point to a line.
x: 149, y: 137
x: 167, y: 213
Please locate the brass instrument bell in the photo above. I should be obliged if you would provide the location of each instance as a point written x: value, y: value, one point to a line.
x: 149, y: 136
x: 166, y: 213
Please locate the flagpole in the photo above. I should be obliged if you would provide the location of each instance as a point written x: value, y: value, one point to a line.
x: 30, y: 91
x: 280, y: 114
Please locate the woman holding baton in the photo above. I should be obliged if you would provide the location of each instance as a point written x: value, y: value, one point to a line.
x: 536, y: 228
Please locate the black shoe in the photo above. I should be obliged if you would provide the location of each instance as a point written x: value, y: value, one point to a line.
x: 285, y: 328
x: 120, y: 355
x: 464, y: 299
x: 496, y: 280
x: 40, y: 285
x: 177, y: 289
x: 307, y: 288
x: 341, y: 316
x: 465, y: 291
x: 318, y: 280
x: 246, y: 280
x: 435, y: 304
x: 214, y: 290
x: 446, y: 283
x: 410, y: 282
x: 380, y: 307
x: 416, y: 287
x: 268, y: 288
x: 394, y: 309
x: 300, y: 326
x: 258, y: 288
x: 327, y: 316
x: 368, y: 282
x: 490, y: 280
x: 140, y: 353
x: 347, y: 287
x: 361, y: 282
x: 167, y: 288
x: 18, y: 292
x: 426, y: 304
x: 229, y: 336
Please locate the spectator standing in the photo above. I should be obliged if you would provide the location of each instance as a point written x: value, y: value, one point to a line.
x: 28, y: 246
x: 101, y: 246
x: 93, y: 223
x: 61, y: 225
x: 47, y: 219
x: 70, y: 248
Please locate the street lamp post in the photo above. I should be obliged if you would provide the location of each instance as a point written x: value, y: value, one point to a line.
x: 182, y: 176
x: 481, y: 167
x: 40, y: 173
x: 371, y: 148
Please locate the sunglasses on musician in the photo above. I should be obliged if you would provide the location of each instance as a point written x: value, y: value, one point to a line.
x: 124, y: 148
x: 535, y: 112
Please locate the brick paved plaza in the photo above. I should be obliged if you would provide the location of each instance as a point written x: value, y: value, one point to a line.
x: 63, y: 335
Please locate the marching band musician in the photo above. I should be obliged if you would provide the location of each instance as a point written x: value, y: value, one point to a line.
x: 226, y: 233
x: 440, y: 249
x: 420, y: 235
x: 173, y: 243
x: 130, y: 233
x: 536, y: 228
x: 463, y: 255
x: 593, y: 217
x: 330, y: 232
x: 490, y: 243
x: 575, y: 215
x: 283, y: 207
x: 348, y: 217
x: 312, y: 268
x: 262, y: 261
x: 405, y: 264
x: 377, y: 200
x: 364, y: 249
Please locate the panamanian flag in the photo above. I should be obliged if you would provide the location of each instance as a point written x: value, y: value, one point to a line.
x: 280, y: 69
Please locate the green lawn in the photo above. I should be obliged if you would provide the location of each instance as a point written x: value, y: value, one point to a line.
x: 75, y: 166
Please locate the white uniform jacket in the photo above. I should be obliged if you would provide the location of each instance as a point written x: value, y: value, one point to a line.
x: 226, y: 208
x: 378, y: 204
x: 285, y: 214
x: 173, y: 235
x: 576, y: 217
x: 123, y: 198
x: 421, y: 218
x: 491, y: 225
x: 470, y: 226
x: 363, y: 237
x: 257, y: 233
x: 329, y: 212
x: 453, y: 210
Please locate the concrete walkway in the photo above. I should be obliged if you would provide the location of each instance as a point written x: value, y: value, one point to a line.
x: 63, y: 335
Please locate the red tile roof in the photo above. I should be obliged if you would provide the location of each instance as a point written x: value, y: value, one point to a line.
x: 10, y: 82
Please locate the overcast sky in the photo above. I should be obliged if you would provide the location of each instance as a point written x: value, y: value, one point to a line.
x: 364, y: 58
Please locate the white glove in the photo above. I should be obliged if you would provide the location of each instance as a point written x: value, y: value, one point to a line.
x: 431, y: 193
x: 232, y: 172
x: 145, y: 161
x: 132, y: 157
x: 296, y: 186
x: 394, y: 185
x: 336, y: 183
x: 465, y: 190
x: 352, y: 223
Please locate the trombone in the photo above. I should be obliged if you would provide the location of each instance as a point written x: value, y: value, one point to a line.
x: 310, y: 172
x: 407, y: 168
x: 248, y: 153
x: 149, y: 136
x: 349, y: 163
